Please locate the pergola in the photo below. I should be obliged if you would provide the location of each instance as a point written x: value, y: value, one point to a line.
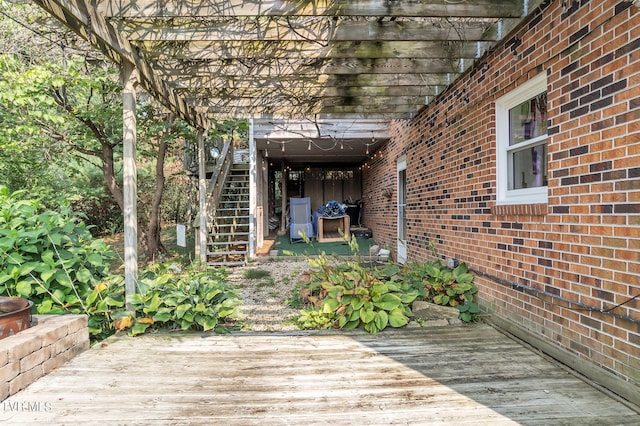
x: 313, y: 69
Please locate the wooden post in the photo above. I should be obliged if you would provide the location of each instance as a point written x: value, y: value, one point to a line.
x: 202, y: 199
x: 253, y: 164
x: 283, y: 191
x: 129, y: 186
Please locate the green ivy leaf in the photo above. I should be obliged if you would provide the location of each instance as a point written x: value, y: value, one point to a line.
x: 136, y: 299
x: 154, y: 304
x: 330, y: 305
x: 110, y: 301
x: 83, y: 275
x: 381, y: 320
x: 182, y: 310
x: 209, y: 323
x: 366, y: 315
x: 397, y: 318
x: 162, y: 316
x: 23, y: 288
x: 388, y: 302
x: 138, y: 328
x: 62, y: 278
x: 357, y: 303
x: 351, y: 325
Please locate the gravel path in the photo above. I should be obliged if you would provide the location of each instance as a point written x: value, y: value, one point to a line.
x: 264, y: 299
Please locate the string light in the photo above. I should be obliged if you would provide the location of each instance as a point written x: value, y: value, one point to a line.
x: 266, y: 152
x: 309, y: 148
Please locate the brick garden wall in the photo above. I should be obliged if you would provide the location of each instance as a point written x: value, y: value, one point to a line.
x: 51, y: 341
x: 540, y: 266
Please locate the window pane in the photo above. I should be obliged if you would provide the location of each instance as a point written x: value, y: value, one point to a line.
x: 528, y: 120
x: 530, y: 167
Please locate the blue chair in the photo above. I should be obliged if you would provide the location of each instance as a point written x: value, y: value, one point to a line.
x: 300, y: 220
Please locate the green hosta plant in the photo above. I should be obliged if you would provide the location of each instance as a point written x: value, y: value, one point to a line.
x: 48, y: 257
x: 196, y: 299
x: 442, y: 285
x: 105, y: 304
x: 349, y: 296
x: 167, y: 298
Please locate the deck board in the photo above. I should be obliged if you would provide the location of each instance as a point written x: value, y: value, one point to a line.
x: 464, y: 375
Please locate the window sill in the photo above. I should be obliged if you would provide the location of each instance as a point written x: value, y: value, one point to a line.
x: 520, y: 210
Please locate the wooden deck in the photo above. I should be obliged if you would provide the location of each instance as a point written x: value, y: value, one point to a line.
x: 456, y: 375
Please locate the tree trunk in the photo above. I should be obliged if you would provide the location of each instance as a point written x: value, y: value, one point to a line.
x: 155, y: 244
x: 108, y: 171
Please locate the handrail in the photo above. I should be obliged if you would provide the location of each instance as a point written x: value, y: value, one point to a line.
x: 218, y: 177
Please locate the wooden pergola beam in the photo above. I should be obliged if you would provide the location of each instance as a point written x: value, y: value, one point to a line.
x: 194, y: 94
x: 320, y: 29
x: 83, y: 18
x: 198, y: 83
x: 257, y: 110
x: 231, y: 8
x: 307, y: 67
x: 293, y: 50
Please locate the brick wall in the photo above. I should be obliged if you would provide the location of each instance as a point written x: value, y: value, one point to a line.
x: 540, y: 266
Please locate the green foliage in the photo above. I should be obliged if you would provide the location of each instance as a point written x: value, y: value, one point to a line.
x: 194, y: 299
x: 51, y: 259
x: 348, y: 296
x: 104, y: 305
x: 313, y: 319
x: 255, y: 274
x: 439, y: 284
x: 168, y: 298
x: 48, y: 257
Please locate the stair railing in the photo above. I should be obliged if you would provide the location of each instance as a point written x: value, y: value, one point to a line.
x: 217, y: 181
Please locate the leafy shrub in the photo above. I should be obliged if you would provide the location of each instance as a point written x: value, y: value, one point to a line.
x: 196, y: 299
x: 439, y: 284
x: 48, y: 257
x: 167, y: 298
x: 51, y: 259
x: 347, y: 296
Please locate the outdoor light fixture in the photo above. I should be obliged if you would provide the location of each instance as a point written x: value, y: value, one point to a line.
x: 215, y: 152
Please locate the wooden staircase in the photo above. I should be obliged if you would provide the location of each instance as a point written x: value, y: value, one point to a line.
x: 228, y: 242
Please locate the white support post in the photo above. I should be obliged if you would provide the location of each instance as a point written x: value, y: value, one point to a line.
x: 129, y: 185
x: 283, y: 191
x: 253, y: 164
x: 202, y: 199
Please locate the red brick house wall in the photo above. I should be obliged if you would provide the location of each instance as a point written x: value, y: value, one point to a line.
x: 548, y: 268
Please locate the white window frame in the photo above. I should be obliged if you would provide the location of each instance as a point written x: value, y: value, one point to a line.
x: 505, y: 196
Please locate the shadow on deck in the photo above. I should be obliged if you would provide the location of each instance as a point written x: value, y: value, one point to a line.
x: 445, y: 375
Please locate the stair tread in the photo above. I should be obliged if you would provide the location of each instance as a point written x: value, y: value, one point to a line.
x: 226, y: 253
x: 233, y: 206
x: 238, y: 263
x: 233, y: 217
